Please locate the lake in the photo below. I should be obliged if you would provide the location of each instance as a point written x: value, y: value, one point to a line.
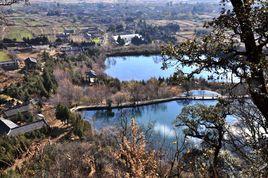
x: 159, y: 117
x: 127, y: 68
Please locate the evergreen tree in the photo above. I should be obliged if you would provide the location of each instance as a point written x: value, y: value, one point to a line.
x: 47, y: 81
x: 63, y: 113
x: 121, y: 41
x: 20, y: 117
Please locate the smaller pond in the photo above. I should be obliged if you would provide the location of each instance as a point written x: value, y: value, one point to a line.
x: 160, y: 117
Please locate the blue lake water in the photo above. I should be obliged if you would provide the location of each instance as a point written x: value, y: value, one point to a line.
x: 162, y: 115
x: 159, y: 117
x: 128, y: 68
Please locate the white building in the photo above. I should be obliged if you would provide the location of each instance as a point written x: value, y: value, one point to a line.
x: 126, y: 38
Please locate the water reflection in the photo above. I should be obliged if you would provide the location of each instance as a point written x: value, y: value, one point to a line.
x: 128, y: 68
x: 136, y: 67
x: 162, y: 115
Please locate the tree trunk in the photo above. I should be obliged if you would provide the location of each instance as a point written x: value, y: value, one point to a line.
x: 256, y: 82
x: 260, y: 99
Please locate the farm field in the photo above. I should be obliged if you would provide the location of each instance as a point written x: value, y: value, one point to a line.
x: 182, y: 23
x: 28, y: 26
x: 17, y: 33
x: 4, y: 56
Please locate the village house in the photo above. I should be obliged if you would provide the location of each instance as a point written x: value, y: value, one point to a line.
x: 25, y: 110
x: 91, y: 32
x: 87, y: 36
x: 30, y: 63
x: 10, y: 65
x: 91, y: 76
x: 9, y: 128
x: 63, y: 37
x: 69, y: 31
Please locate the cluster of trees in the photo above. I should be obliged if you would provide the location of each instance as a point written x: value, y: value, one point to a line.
x: 152, y: 89
x: 116, y: 28
x: 7, y: 40
x: 34, y: 85
x: 40, y: 40
x: 71, y: 92
x: 163, y: 33
x: 53, y: 13
x: 80, y: 127
x: 137, y: 41
x: 170, y: 28
x: 12, y: 148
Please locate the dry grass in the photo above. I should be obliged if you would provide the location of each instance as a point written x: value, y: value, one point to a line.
x: 26, y: 55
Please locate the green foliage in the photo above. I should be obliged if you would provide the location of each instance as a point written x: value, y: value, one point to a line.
x: 34, y: 85
x: 206, y: 123
x: 120, y: 41
x: 11, y: 148
x: 80, y: 127
x: 45, y: 56
x: 233, y: 45
x: 93, y: 52
x: 137, y: 41
x: 20, y: 117
x: 10, y: 174
x: 63, y: 113
x: 49, y: 81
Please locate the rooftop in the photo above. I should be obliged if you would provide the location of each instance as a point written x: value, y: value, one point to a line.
x: 29, y: 59
x: 28, y: 128
x: 15, y: 111
x: 9, y: 128
x: 8, y: 123
x: 91, y: 74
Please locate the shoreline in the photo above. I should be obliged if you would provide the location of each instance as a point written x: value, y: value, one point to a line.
x: 142, y: 103
x: 145, y: 50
